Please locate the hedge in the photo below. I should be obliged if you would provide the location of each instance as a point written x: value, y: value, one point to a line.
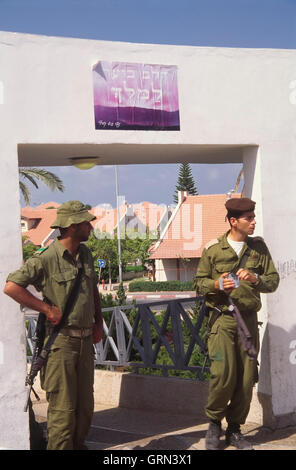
x: 130, y: 268
x: 150, y: 286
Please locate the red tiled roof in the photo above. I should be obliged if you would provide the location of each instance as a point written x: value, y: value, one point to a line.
x: 50, y: 204
x: 42, y: 230
x: 198, y: 220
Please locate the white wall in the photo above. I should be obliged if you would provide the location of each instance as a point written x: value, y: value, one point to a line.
x: 13, y: 422
x: 166, y: 270
x: 232, y: 102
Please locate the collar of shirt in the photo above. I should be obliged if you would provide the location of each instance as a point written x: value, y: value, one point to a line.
x: 225, y: 244
x: 64, y: 252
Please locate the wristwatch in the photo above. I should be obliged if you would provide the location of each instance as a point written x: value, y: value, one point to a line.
x: 258, y: 279
x: 220, y: 280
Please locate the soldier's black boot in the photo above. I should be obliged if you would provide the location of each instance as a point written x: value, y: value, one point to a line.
x: 233, y: 437
x: 213, y: 435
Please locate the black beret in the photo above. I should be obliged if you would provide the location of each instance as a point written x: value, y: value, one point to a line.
x: 240, y: 205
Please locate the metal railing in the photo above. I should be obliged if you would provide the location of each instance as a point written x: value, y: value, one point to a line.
x: 164, y: 335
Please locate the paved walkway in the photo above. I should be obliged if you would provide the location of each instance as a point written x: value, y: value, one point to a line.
x: 120, y: 429
x: 149, y: 296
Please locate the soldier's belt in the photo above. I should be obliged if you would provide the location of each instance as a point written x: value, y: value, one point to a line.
x: 76, y: 332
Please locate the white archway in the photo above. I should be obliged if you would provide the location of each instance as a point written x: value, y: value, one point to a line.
x: 234, y: 106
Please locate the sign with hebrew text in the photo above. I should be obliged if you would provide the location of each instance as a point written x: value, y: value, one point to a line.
x: 135, y: 96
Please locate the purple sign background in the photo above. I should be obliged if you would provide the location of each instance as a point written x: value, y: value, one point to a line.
x: 135, y: 96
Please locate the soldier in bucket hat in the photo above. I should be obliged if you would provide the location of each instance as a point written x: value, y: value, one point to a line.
x: 71, y: 212
x: 68, y: 374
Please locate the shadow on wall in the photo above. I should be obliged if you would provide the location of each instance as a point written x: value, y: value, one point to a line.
x: 164, y: 394
x: 278, y: 374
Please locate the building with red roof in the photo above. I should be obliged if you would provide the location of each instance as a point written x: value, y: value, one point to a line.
x: 135, y: 220
x: 36, y: 222
x: 195, y: 221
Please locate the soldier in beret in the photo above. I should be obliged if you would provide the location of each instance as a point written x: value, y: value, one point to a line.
x: 68, y: 375
x: 233, y: 372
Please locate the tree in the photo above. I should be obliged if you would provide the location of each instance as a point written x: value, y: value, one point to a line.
x: 185, y: 181
x: 28, y: 248
x: 107, y: 249
x: 31, y: 174
x: 121, y: 297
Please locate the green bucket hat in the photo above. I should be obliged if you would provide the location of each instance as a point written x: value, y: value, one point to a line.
x: 71, y: 212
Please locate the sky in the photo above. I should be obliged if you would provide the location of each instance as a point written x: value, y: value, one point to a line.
x: 213, y: 23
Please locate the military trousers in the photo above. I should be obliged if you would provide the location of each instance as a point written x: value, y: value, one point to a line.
x: 68, y: 380
x: 232, y: 373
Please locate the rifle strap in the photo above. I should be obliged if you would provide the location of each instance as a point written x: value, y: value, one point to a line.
x: 243, y: 260
x: 216, y: 311
x: 70, y: 301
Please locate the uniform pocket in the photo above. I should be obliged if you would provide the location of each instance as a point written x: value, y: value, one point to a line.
x: 222, y: 268
x: 64, y: 276
x: 50, y: 375
x: 215, y: 328
x: 214, y: 347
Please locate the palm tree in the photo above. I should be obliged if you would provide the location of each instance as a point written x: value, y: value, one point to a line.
x: 31, y: 174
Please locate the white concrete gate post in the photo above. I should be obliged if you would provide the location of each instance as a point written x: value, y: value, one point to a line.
x: 14, y: 422
x: 269, y: 170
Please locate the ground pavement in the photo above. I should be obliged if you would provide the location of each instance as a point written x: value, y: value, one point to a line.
x: 123, y: 429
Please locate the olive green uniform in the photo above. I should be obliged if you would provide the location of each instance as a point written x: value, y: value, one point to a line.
x: 68, y: 375
x: 233, y: 372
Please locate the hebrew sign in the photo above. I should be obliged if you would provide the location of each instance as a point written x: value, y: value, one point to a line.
x: 135, y: 96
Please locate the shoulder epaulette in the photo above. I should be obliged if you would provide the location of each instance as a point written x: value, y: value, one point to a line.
x: 211, y: 243
x: 258, y: 239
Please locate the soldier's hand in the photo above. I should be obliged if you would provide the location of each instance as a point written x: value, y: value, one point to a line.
x: 53, y: 314
x: 245, y: 275
x: 228, y: 284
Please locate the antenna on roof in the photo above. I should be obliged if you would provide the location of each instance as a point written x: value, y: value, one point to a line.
x: 228, y: 195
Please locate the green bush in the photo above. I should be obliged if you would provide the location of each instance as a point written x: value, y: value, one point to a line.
x: 134, y: 269
x: 107, y: 300
x: 150, y: 286
x: 121, y: 297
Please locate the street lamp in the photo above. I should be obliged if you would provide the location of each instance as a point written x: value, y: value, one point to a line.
x: 84, y: 163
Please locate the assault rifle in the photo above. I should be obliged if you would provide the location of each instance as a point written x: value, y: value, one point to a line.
x: 38, y: 340
x: 243, y: 332
x: 242, y: 329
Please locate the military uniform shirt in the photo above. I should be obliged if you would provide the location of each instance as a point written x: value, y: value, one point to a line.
x: 53, y: 272
x: 219, y: 257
